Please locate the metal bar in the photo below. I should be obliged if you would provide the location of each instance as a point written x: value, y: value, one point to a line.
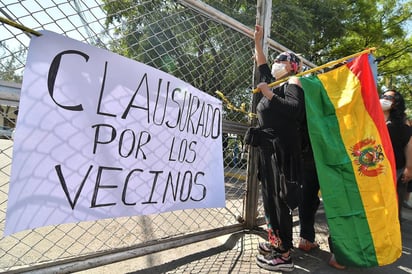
x: 9, y: 93
x: 220, y: 17
x: 113, y: 256
x: 234, y: 127
x: 263, y: 17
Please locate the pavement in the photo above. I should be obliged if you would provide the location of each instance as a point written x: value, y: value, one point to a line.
x: 236, y: 253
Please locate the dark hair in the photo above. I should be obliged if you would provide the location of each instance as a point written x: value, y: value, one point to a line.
x: 397, y: 113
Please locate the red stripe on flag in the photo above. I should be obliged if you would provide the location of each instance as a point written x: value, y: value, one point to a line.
x: 361, y: 68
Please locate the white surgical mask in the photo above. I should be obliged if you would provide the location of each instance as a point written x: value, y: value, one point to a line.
x: 385, y: 104
x: 279, y: 70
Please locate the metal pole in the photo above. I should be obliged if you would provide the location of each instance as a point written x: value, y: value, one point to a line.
x: 264, y: 6
x: 263, y: 18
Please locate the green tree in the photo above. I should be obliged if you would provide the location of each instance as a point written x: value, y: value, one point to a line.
x: 382, y: 24
x: 326, y: 30
x: 11, y: 63
x: 168, y: 36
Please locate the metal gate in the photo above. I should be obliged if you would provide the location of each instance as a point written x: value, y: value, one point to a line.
x: 176, y: 37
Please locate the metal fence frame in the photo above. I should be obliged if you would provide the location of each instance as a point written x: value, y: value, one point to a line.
x: 246, y: 218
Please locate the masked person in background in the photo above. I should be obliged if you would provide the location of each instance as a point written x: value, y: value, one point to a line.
x: 280, y: 113
x: 393, y: 106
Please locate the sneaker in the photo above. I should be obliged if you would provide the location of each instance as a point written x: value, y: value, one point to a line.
x: 306, y: 245
x: 266, y: 248
x: 275, y: 262
x: 407, y: 205
x: 333, y: 263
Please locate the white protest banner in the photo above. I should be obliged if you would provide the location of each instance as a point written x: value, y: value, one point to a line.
x: 102, y: 136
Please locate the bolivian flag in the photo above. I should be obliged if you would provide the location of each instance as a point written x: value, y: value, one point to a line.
x: 355, y: 164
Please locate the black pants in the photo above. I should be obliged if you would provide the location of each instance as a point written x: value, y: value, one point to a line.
x: 277, y: 213
x: 401, y: 190
x: 310, y: 202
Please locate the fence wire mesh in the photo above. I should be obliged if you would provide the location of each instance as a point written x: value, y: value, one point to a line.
x: 167, y: 35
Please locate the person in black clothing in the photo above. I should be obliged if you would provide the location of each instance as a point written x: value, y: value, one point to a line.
x: 393, y: 106
x: 280, y: 113
x: 310, y: 201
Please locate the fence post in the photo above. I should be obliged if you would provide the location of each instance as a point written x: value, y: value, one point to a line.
x: 263, y: 18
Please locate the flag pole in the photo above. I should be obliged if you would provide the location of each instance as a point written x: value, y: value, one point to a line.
x: 332, y: 63
x: 19, y: 26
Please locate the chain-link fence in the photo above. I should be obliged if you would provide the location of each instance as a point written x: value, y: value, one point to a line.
x: 187, y: 39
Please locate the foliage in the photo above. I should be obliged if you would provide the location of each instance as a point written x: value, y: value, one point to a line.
x: 166, y: 35
x: 10, y: 64
x: 190, y: 47
x: 243, y: 11
x: 326, y: 30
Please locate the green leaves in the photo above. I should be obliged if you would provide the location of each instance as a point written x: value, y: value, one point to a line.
x: 211, y: 56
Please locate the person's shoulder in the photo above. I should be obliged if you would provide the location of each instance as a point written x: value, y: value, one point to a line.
x: 294, y: 81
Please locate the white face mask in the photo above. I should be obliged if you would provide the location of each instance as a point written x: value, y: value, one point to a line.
x: 279, y: 70
x: 385, y: 104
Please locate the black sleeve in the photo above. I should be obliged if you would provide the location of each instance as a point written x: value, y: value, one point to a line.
x: 293, y: 104
x: 266, y: 74
x: 408, y: 134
